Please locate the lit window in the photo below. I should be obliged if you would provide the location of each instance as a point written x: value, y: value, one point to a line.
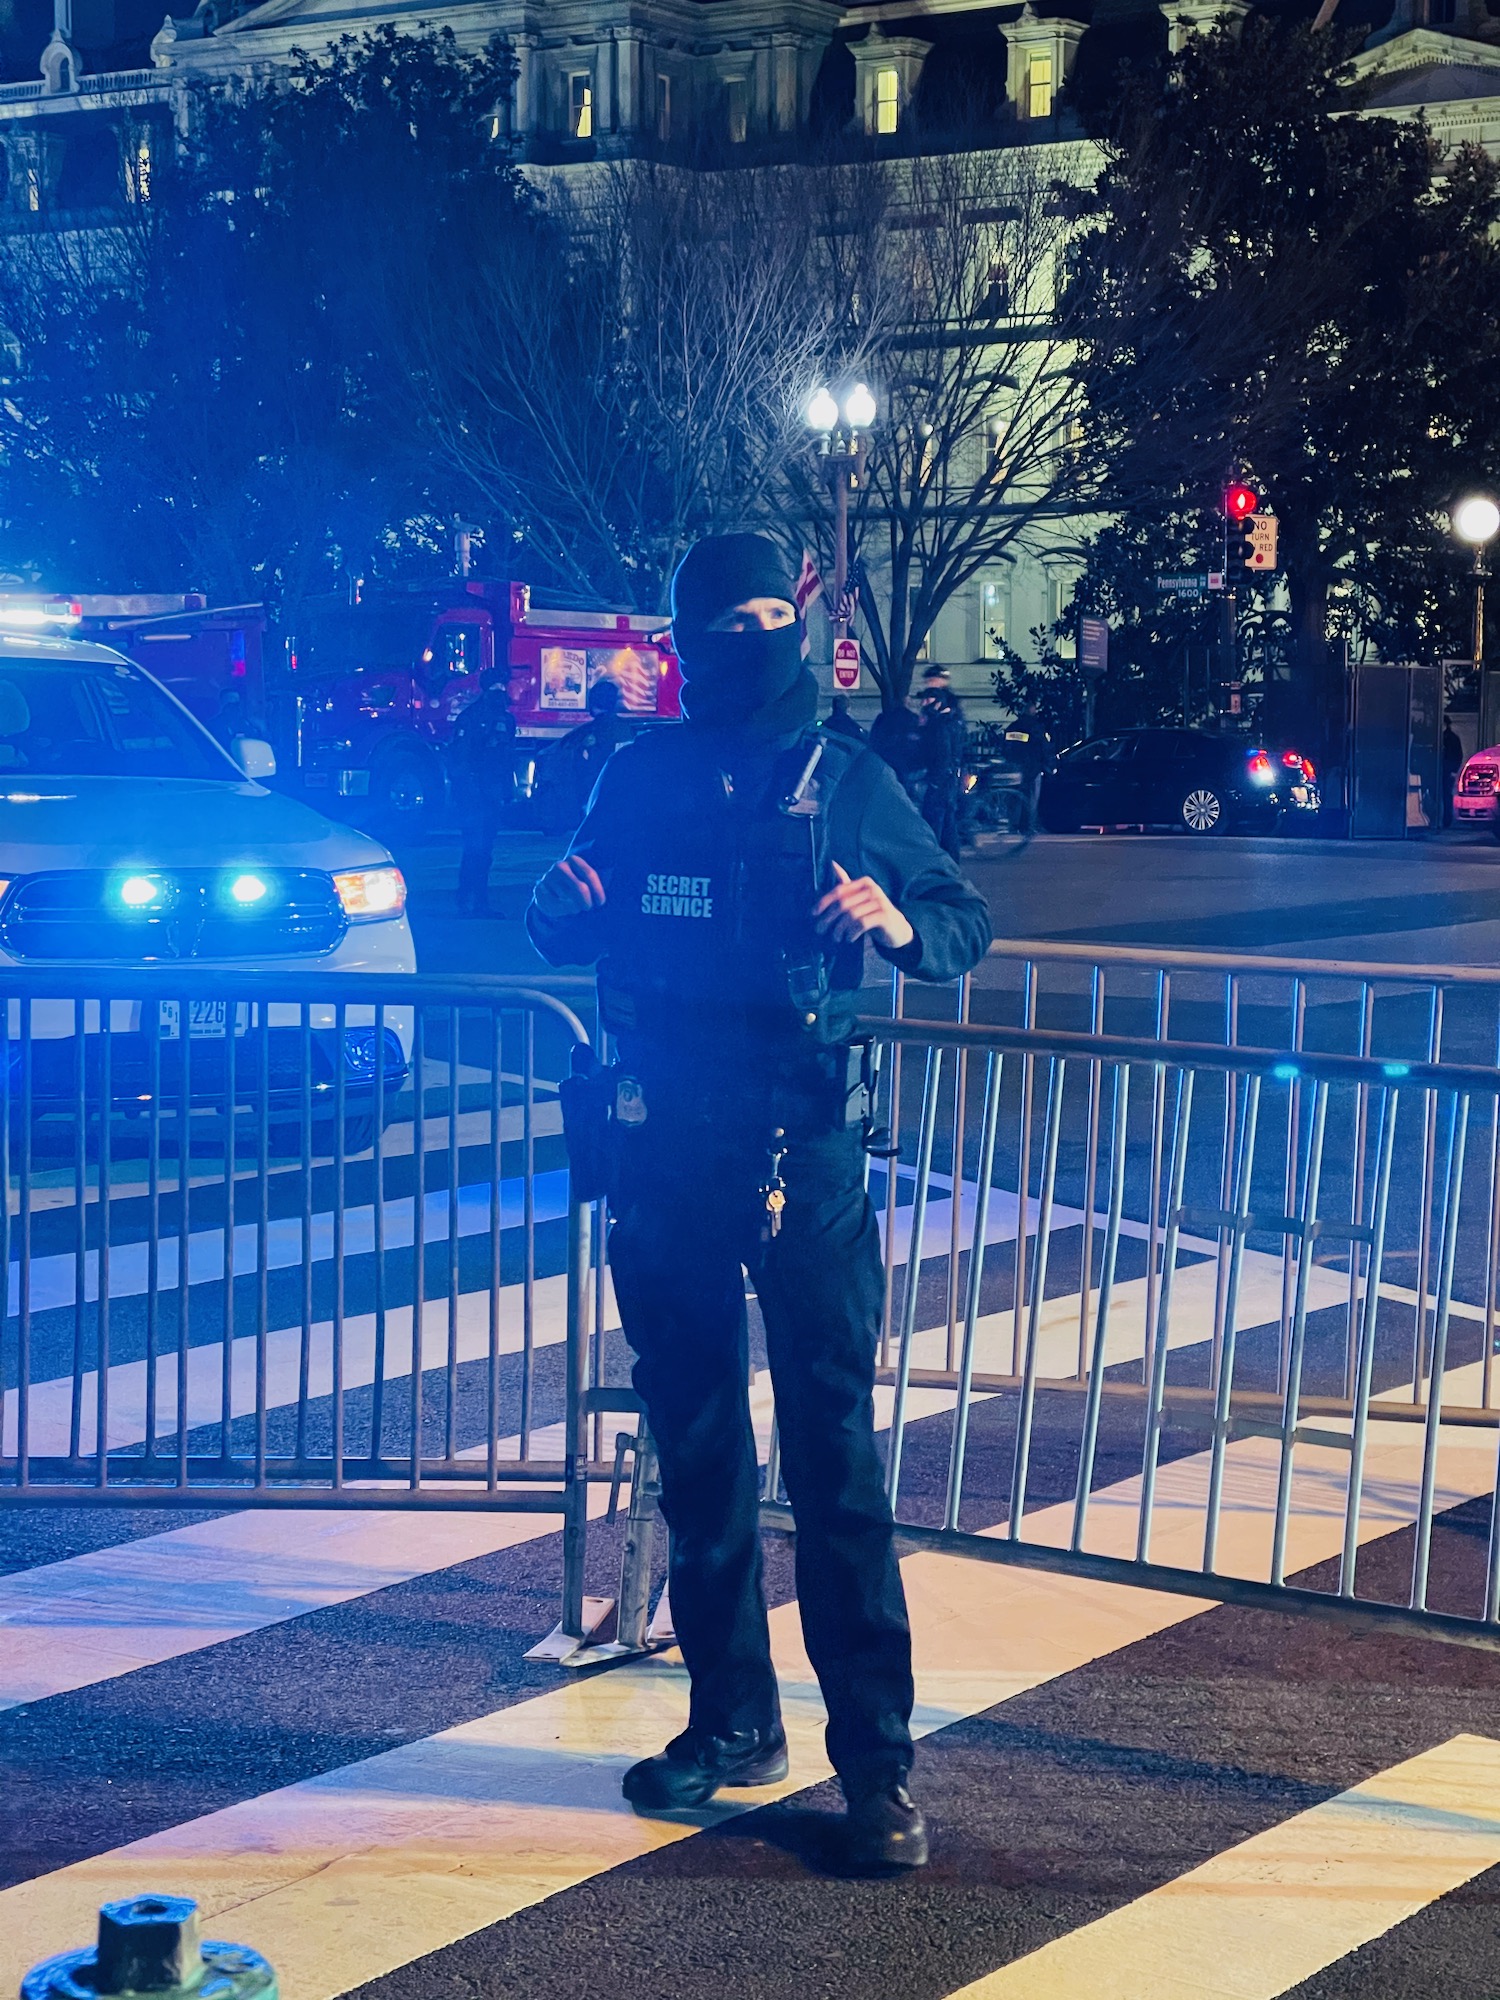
x: 33, y: 190
x: 737, y: 105
x: 992, y: 621
x: 1039, y: 87
x: 138, y: 170
x: 887, y: 100
x: 664, y: 108
x: 997, y: 444
x: 581, y: 105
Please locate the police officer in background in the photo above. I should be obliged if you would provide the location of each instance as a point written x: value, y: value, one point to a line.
x: 483, y: 767
x: 726, y: 880
x: 945, y: 738
x: 1029, y: 745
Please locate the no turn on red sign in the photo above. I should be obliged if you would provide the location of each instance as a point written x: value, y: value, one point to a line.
x: 846, y: 665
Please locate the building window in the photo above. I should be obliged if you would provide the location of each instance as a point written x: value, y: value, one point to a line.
x: 737, y: 105
x: 581, y: 104
x: 992, y: 621
x: 138, y: 169
x: 887, y: 100
x: 1039, y: 86
x: 33, y: 190
x: 663, y: 108
x: 997, y: 446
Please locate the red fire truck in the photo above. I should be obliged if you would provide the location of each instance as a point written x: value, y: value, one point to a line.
x: 378, y: 683
x: 209, y: 655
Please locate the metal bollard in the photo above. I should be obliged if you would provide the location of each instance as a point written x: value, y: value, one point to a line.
x: 151, y: 1944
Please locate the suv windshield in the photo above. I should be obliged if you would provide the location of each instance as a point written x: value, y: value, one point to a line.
x: 76, y: 719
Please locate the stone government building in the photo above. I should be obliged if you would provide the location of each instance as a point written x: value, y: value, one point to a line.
x: 93, y: 94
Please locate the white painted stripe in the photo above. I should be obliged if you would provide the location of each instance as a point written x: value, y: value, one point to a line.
x: 1269, y: 1913
x: 53, y: 1277
x: 50, y: 1402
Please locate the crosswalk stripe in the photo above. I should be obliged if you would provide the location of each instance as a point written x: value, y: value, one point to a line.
x: 54, y: 1277
x: 355, y: 1872
x: 50, y: 1402
x: 89, y: 1618
x: 1265, y: 1915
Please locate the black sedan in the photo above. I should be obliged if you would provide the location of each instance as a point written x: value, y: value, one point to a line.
x: 1179, y: 777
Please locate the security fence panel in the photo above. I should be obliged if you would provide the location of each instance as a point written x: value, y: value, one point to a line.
x: 1193, y: 1314
x: 289, y: 1240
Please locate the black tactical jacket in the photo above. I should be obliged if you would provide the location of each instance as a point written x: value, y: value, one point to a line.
x: 707, y: 955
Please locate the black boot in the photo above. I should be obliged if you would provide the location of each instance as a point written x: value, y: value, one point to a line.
x: 693, y: 1767
x: 885, y: 1829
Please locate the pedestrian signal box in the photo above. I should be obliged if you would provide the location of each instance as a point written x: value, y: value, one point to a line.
x: 1260, y: 542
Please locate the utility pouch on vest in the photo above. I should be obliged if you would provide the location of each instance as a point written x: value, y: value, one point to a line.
x: 596, y: 1103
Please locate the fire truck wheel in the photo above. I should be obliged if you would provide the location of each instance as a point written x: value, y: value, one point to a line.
x: 404, y: 787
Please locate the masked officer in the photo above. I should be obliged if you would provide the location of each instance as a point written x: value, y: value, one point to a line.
x: 726, y: 880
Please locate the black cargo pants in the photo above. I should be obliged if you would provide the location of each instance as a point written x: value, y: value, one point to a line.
x: 687, y: 1221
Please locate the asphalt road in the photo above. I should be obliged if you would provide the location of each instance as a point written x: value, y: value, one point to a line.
x: 327, y: 1729
x: 1427, y: 901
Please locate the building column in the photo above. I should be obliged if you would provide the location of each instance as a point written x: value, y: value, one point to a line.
x: 526, y: 109
x: 635, y: 81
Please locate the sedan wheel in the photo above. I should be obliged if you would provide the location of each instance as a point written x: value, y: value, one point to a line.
x: 1202, y: 811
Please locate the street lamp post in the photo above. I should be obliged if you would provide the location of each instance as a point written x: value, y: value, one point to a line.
x: 1476, y: 520
x: 843, y: 446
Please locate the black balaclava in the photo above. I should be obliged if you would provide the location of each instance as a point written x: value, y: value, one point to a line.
x: 755, y: 681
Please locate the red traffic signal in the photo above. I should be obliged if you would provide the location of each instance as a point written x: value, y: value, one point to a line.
x: 1240, y: 501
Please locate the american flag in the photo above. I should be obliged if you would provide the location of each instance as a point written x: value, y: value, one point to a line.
x: 809, y: 590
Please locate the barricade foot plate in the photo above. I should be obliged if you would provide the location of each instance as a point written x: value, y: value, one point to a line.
x: 563, y: 1647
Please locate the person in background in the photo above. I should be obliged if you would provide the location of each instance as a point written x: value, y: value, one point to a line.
x: 944, y: 738
x: 483, y: 783
x: 1453, y: 763
x: 1029, y: 745
x: 571, y: 768
x: 842, y: 723
x: 896, y: 735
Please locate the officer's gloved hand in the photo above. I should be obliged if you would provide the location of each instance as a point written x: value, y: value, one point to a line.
x: 568, y: 889
x: 859, y: 908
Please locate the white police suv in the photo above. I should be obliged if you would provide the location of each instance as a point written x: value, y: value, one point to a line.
x: 129, y: 837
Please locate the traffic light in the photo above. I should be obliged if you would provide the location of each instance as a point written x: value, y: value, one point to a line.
x: 1248, y: 531
x: 1240, y: 501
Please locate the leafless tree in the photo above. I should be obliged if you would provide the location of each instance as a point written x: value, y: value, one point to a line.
x: 627, y: 368
x: 978, y: 453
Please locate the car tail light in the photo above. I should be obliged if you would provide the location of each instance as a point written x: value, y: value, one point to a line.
x: 1295, y: 761
x: 1262, y: 770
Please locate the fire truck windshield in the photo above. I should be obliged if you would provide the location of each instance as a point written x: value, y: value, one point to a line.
x: 351, y: 636
x: 82, y: 719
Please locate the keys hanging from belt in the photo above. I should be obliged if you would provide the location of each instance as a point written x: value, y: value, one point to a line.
x: 773, y: 1187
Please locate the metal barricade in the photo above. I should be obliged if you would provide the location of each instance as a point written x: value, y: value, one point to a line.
x: 290, y: 1240
x: 1191, y: 1315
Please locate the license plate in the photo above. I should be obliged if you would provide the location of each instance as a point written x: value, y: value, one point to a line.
x: 208, y: 1020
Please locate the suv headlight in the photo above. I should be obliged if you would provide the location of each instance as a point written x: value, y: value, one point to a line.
x: 369, y: 894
